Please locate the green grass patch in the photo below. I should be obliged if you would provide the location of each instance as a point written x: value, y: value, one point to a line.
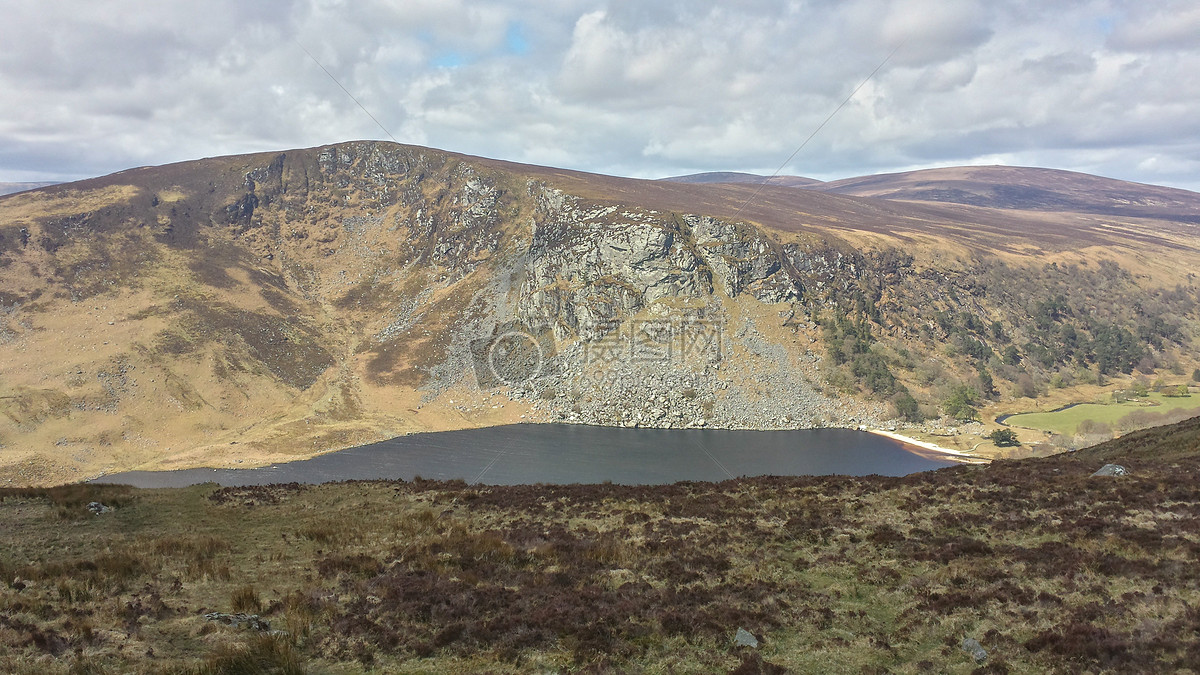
x: 1067, y: 421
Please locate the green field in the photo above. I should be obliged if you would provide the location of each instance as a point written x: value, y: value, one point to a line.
x: 1067, y: 421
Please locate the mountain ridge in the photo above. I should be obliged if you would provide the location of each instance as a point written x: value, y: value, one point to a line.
x: 13, y: 188
x: 741, y: 177
x: 255, y: 308
x: 1029, y: 188
x: 997, y: 186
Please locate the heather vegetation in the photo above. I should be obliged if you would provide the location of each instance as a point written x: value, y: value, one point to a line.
x: 1049, y: 568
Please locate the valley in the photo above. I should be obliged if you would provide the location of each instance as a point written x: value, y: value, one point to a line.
x: 247, y: 310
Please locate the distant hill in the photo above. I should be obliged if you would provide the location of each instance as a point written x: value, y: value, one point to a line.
x: 11, y: 188
x: 738, y: 177
x: 1025, y: 188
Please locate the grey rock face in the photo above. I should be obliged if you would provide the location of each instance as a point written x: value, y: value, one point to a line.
x: 744, y: 260
x: 601, y: 278
x: 97, y: 508
x: 588, y: 268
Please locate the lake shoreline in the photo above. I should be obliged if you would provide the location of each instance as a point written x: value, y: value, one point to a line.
x: 926, y: 448
x: 567, y: 453
x: 937, y: 451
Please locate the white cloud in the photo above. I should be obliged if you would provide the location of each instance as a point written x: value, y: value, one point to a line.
x: 933, y: 31
x: 1158, y: 26
x: 621, y: 86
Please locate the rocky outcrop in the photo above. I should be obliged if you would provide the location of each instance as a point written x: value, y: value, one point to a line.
x: 972, y: 647
x: 1111, y: 470
x: 744, y: 260
x: 240, y: 620
x: 588, y: 268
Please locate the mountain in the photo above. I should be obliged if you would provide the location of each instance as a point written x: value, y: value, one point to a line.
x: 257, y: 308
x: 737, y: 177
x: 1010, y: 187
x: 11, y: 188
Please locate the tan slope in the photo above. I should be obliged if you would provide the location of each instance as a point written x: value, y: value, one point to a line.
x: 157, y: 316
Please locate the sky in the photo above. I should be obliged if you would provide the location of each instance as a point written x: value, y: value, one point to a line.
x: 626, y: 87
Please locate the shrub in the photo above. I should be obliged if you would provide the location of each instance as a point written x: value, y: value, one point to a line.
x: 1026, y: 386
x: 245, y: 599
x: 1196, y: 375
x: 263, y: 655
x: 354, y: 565
x: 961, y: 403
x: 872, y: 370
x: 1004, y: 438
x: 1011, y: 356
x: 843, y: 381
x: 907, y: 408
x: 1094, y: 428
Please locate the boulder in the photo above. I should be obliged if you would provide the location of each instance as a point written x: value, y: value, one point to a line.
x: 239, y: 620
x: 976, y: 650
x: 1111, y: 470
x: 745, y: 638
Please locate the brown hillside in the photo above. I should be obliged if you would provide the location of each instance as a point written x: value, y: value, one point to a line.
x: 738, y: 177
x: 1024, y: 188
x: 988, y: 227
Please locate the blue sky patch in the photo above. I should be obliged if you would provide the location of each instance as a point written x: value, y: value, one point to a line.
x: 448, y: 60
x: 514, y: 39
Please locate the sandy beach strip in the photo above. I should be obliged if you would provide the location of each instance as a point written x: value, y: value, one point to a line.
x: 933, y: 450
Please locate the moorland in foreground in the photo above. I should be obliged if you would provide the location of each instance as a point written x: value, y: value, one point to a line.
x: 1049, y: 568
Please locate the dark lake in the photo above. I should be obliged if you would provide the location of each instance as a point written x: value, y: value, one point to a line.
x: 568, y: 453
